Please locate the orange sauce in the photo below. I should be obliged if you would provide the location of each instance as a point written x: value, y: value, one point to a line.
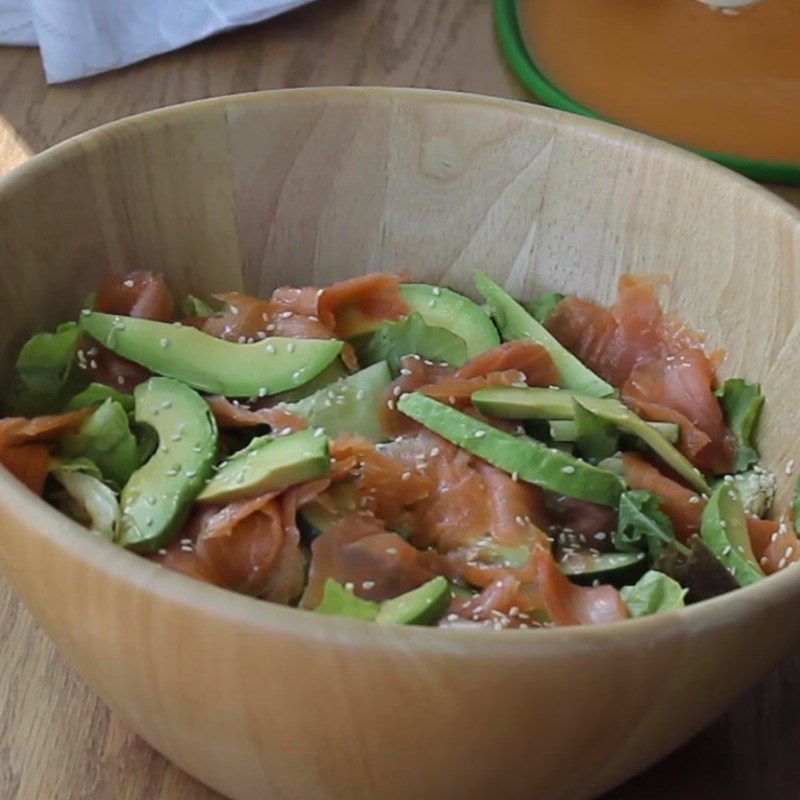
x: 678, y: 69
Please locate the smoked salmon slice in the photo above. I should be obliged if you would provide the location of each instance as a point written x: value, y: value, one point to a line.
x: 657, y: 362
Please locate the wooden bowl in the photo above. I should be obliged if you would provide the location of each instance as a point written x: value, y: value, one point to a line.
x: 314, y: 185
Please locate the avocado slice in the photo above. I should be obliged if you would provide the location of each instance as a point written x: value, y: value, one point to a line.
x: 209, y: 364
x: 618, y: 569
x: 411, y: 335
x: 335, y: 370
x: 515, y: 322
x: 565, y: 430
x: 349, y: 404
x: 444, y: 308
x: 269, y: 464
x: 530, y: 403
x: 723, y: 527
x: 339, y: 601
x: 158, y: 495
x: 530, y: 460
x: 424, y: 605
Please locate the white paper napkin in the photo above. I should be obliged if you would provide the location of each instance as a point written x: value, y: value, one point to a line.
x: 83, y: 37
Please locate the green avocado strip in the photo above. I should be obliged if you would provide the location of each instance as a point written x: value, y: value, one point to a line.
x: 515, y: 322
x: 209, y: 364
x: 723, y: 528
x: 549, y: 404
x: 529, y: 460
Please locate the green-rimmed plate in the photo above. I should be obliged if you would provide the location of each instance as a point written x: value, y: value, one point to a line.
x: 513, y: 45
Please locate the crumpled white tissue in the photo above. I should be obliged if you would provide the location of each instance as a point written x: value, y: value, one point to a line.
x: 77, y: 38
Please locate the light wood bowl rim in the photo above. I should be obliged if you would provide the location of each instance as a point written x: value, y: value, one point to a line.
x: 58, y: 532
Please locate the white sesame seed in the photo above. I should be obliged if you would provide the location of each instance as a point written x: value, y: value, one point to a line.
x: 271, y: 349
x: 285, y: 314
x: 789, y: 468
x: 192, y: 473
x: 480, y: 434
x: 167, y: 404
x: 405, y: 476
x: 435, y: 452
x: 694, y: 499
x: 726, y: 550
x: 172, y: 472
x: 164, y: 342
x: 262, y: 392
x: 600, y: 535
x: 85, y: 312
x: 392, y: 551
x: 764, y: 560
x: 93, y: 364
x: 360, y: 394
x: 782, y: 563
x: 568, y: 470
x: 187, y: 548
x: 290, y: 348
x: 271, y: 327
x: 176, y: 437
x: 367, y: 584
x: 436, y: 291
x: 121, y: 380
x: 515, y: 476
x: 789, y: 552
x: 390, y: 405
x: 162, y: 552
x: 319, y: 432
x: 349, y: 586
x: 233, y: 309
x: 432, y: 303
x: 405, y: 371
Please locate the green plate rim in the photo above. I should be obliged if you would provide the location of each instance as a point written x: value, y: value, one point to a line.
x: 513, y: 46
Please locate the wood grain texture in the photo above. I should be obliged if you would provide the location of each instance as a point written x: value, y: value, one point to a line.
x: 56, y: 739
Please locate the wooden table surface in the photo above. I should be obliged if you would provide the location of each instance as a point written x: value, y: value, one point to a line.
x: 57, y: 740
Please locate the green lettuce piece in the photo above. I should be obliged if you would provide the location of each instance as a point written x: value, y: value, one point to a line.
x: 47, y: 371
x: 96, y: 394
x: 195, y: 307
x: 642, y: 525
x: 595, y: 438
x: 653, y: 592
x: 411, y: 335
x: 742, y: 403
x: 106, y: 440
x: 541, y: 307
x: 86, y: 498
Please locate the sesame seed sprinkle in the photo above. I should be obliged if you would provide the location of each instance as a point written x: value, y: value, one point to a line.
x: 290, y: 348
x: 121, y: 380
x: 568, y: 470
x: 271, y: 349
x: 262, y: 392
x: 367, y: 584
x: 164, y: 342
x: 129, y: 283
x: 790, y: 465
x: 480, y: 434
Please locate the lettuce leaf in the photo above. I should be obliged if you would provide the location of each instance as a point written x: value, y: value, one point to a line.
x: 96, y: 394
x: 47, y: 371
x: 642, y: 525
x: 195, y: 307
x: 87, y: 499
x: 106, y: 440
x: 541, y: 307
x: 742, y: 403
x: 393, y: 340
x: 653, y: 592
x: 595, y: 438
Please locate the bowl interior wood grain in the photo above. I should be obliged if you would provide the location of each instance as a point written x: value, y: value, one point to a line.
x: 311, y: 186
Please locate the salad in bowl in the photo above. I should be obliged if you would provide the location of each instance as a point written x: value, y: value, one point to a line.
x: 399, y: 453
